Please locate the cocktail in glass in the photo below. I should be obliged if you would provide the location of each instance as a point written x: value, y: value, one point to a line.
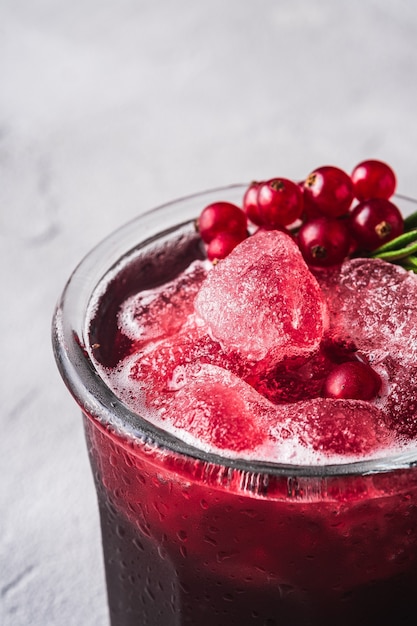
x: 195, y: 537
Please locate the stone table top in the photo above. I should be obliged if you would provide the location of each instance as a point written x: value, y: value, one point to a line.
x: 106, y: 110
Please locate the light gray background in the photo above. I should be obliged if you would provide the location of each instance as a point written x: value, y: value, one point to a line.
x: 108, y: 109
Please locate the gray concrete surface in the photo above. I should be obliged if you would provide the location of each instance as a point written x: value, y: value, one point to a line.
x: 108, y: 109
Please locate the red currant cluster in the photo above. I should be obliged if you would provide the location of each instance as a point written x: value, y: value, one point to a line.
x: 320, y: 212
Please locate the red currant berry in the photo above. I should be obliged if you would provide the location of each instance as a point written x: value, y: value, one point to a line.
x: 280, y: 202
x: 324, y: 241
x: 374, y: 222
x: 221, y: 217
x: 330, y: 190
x: 352, y: 380
x: 373, y: 179
x: 222, y: 245
x: 309, y: 208
x: 250, y: 203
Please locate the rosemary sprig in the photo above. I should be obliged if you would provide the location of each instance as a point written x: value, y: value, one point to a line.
x: 399, y: 242
x: 410, y: 263
x: 410, y: 222
x: 402, y: 249
x: 398, y: 248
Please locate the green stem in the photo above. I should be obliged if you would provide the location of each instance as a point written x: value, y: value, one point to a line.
x: 399, y: 242
x: 410, y: 222
x: 396, y: 255
x: 410, y: 263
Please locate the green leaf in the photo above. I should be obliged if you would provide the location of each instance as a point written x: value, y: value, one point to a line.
x: 398, y: 243
x: 410, y: 263
x: 395, y: 255
x: 410, y: 222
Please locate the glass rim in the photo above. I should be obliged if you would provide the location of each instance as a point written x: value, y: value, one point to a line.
x: 96, y: 398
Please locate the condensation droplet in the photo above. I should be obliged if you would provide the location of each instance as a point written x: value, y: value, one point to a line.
x: 120, y: 531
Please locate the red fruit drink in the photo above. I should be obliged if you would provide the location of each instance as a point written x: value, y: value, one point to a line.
x: 230, y: 492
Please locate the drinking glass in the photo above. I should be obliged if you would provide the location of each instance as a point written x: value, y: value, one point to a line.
x: 191, y: 537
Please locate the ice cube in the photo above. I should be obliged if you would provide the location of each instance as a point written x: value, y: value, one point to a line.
x: 398, y: 399
x: 159, y: 312
x: 339, y: 427
x: 262, y: 300
x: 372, y: 304
x: 158, y: 365
x: 215, y: 408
